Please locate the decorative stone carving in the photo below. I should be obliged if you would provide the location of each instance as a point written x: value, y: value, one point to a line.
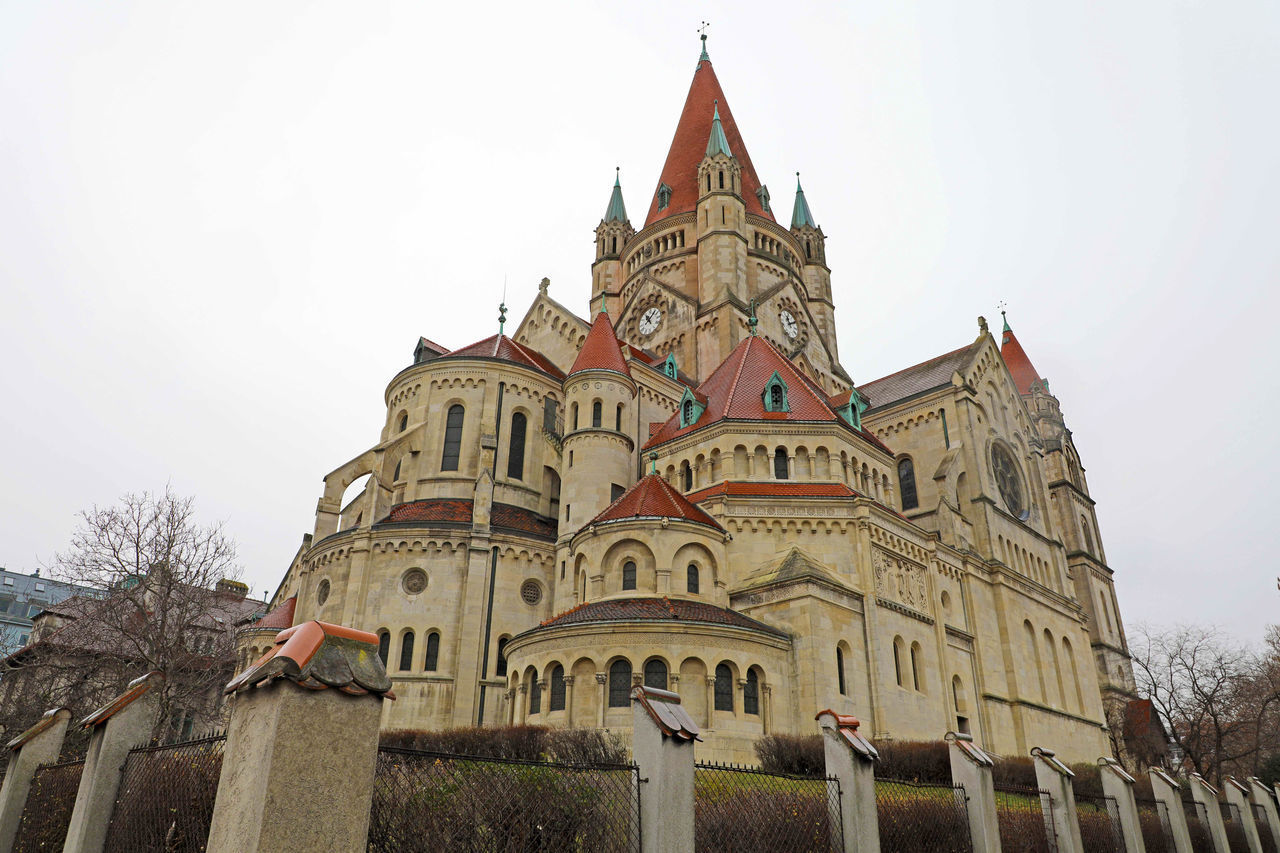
x: 900, y: 580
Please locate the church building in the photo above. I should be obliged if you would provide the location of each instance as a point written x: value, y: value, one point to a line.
x: 686, y: 488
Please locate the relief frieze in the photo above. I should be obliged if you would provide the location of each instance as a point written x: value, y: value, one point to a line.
x: 900, y: 580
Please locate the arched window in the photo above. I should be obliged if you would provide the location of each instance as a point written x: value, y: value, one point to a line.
x: 433, y: 653
x: 406, y: 651
x: 899, y: 650
x: 617, y: 420
x: 620, y: 684
x: 395, y: 477
x: 780, y: 464
x: 844, y: 687
x: 655, y: 674
x: 629, y: 575
x: 686, y: 477
x: 574, y: 415
x: 1088, y: 536
x: 404, y: 423
x: 724, y: 688
x: 515, y: 452
x: 501, y: 668
x: 452, y: 438
x: 535, y: 693
x: 691, y: 579
x: 775, y: 398
x: 916, y: 665
x: 688, y: 412
x: 751, y: 693
x: 557, y: 689
x: 596, y: 414
x: 384, y: 646
x: 907, y: 483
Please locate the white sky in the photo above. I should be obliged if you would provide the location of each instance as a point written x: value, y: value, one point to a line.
x: 224, y: 225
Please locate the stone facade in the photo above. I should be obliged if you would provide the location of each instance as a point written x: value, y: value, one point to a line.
x: 690, y: 492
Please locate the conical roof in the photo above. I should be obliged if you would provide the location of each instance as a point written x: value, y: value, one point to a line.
x: 617, y: 211
x: 800, y: 215
x: 1024, y: 373
x: 653, y: 497
x: 601, y: 350
x: 689, y: 146
x: 502, y: 348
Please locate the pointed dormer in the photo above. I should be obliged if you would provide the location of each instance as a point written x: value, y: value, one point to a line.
x: 612, y: 235
x: 678, y: 188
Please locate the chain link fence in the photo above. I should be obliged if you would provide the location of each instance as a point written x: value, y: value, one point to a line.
x: 165, y: 803
x: 435, y: 802
x: 1099, y: 824
x: 915, y: 816
x: 1264, y: 828
x: 47, y: 813
x: 1153, y: 820
x: 1026, y: 820
x: 746, y: 810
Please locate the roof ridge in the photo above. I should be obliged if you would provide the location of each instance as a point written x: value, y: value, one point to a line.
x: 917, y: 365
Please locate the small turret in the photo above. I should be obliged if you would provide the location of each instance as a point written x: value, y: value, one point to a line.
x: 817, y: 276
x: 612, y: 235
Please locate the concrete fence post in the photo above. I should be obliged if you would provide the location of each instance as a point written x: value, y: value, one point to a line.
x: 662, y: 743
x: 1165, y: 788
x: 851, y: 758
x: 1055, y: 777
x: 115, y: 728
x: 1261, y: 798
x: 971, y: 767
x: 1118, y: 784
x: 1237, y: 795
x: 38, y: 745
x: 301, y: 751
x: 1207, y: 796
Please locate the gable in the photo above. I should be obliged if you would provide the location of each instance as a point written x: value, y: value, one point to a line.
x: 553, y: 330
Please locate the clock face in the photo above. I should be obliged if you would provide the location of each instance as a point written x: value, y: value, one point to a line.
x: 650, y: 320
x: 789, y: 325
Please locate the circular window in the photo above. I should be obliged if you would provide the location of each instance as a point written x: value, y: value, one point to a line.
x: 322, y: 592
x: 414, y: 581
x: 531, y: 592
x: 1007, y: 480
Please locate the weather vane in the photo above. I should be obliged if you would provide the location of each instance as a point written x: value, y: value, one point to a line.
x: 703, y: 29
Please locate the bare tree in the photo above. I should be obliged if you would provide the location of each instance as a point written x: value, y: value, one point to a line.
x: 166, y: 605
x: 1219, y: 700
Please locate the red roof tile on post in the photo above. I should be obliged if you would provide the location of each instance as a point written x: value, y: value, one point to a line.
x: 653, y: 497
x: 689, y: 146
x: 601, y: 350
x: 1024, y: 374
x: 502, y: 348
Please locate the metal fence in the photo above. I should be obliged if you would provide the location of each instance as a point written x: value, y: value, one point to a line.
x: 1236, y: 837
x: 1099, y: 824
x: 1264, y: 828
x: 1025, y: 816
x: 746, y: 810
x: 915, y: 816
x: 47, y: 813
x: 166, y: 797
x: 439, y: 802
x: 1197, y: 826
x: 1153, y: 820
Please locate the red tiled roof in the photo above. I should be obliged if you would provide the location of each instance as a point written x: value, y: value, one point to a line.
x: 655, y: 610
x: 653, y: 497
x: 430, y: 344
x: 279, y: 618
x: 504, y: 349
x: 458, y: 511
x: 1024, y: 374
x: 689, y: 146
x: 775, y: 489
x: 600, y: 351
x: 736, y: 390
x: 917, y: 379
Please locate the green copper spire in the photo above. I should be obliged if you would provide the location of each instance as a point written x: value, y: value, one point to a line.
x: 800, y: 215
x: 617, y: 211
x: 704, y: 57
x: 717, y: 143
x: 1006, y: 321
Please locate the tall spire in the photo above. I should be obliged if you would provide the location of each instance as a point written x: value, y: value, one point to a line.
x: 716, y: 143
x: 705, y: 57
x: 676, y: 191
x: 1024, y: 373
x: 800, y: 215
x: 617, y: 211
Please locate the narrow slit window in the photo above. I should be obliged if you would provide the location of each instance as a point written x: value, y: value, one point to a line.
x: 515, y: 452
x: 433, y: 653
x: 629, y: 575
x: 452, y: 438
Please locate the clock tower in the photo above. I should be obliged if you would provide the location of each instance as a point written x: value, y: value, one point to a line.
x: 684, y: 284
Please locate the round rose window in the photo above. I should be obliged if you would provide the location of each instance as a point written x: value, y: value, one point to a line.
x: 531, y: 592
x: 322, y: 592
x: 1007, y: 480
x: 415, y: 581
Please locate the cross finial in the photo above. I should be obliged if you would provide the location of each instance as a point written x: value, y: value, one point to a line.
x: 752, y: 322
x: 502, y: 307
x: 703, y: 31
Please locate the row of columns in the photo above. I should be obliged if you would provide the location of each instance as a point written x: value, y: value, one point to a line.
x: 875, y: 483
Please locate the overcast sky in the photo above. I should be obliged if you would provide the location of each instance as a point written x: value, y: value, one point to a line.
x: 223, y: 227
